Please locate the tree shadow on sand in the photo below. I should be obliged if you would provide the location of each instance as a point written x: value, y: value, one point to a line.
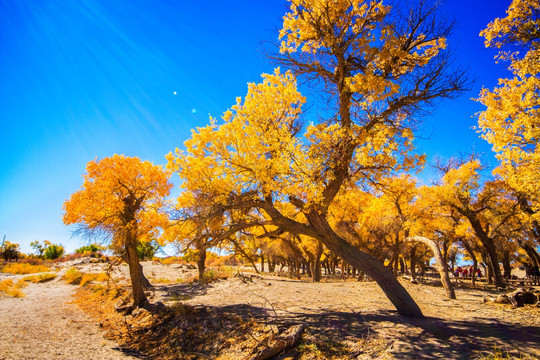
x: 183, y: 291
x: 428, y: 338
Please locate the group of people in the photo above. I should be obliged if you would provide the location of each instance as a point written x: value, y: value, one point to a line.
x: 466, y: 272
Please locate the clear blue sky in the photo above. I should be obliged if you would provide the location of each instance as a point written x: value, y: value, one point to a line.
x: 87, y: 79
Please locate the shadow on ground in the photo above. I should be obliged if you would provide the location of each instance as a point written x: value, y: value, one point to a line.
x: 428, y: 338
x: 183, y: 291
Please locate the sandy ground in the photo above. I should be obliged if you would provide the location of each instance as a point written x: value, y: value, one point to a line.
x: 43, y: 325
x: 452, y: 329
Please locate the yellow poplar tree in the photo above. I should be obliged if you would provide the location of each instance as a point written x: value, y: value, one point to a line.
x: 511, y: 121
x: 123, y: 199
x: 380, y: 67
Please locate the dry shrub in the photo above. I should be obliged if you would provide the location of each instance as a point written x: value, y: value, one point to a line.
x: 13, y: 289
x: 170, y: 260
x: 70, y: 257
x: 32, y: 261
x: 72, y: 276
x: 502, y: 354
x: 93, y: 277
x: 40, y: 278
x: 177, y: 332
x: 24, y: 268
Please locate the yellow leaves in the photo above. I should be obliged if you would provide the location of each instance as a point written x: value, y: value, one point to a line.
x: 314, y: 24
x: 511, y: 121
x: 114, y: 187
x: 254, y: 147
x: 518, y: 26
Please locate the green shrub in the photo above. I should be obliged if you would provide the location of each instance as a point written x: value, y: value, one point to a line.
x: 54, y: 251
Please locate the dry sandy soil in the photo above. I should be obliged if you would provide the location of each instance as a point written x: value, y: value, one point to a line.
x: 44, y: 325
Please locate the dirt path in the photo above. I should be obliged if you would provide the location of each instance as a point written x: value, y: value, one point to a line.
x: 43, y: 325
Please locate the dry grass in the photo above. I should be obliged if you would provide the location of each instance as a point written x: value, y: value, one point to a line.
x: 11, y: 288
x: 93, y: 277
x: 40, y: 278
x: 72, y: 276
x: 24, y: 268
x: 501, y: 354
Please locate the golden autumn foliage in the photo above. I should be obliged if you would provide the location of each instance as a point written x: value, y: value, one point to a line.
x: 123, y: 199
x: 108, y: 183
x: 511, y: 121
x: 261, y: 165
x: 24, y: 268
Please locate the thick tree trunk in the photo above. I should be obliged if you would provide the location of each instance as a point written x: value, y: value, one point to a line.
x: 262, y: 262
x: 489, y: 273
x: 489, y: 246
x: 271, y: 264
x: 531, y: 252
x: 395, y: 292
x: 201, y: 262
x: 139, y: 297
x: 442, y: 267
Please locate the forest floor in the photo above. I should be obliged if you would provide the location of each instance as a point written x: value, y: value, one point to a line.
x: 231, y: 318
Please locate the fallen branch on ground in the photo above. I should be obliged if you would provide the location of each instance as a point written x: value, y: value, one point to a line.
x: 283, y: 341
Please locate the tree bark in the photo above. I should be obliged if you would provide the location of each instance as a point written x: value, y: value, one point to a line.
x: 489, y: 246
x: 201, y: 262
x: 316, y: 272
x: 395, y: 292
x: 139, y: 297
x: 442, y: 267
x: 531, y: 252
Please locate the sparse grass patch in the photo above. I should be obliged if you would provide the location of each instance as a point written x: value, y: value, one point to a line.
x: 162, y: 280
x: 24, y: 268
x: 72, y: 276
x: 99, y: 277
x: 501, y: 354
x: 170, y: 260
x: 11, y: 288
x: 210, y: 275
x: 40, y: 278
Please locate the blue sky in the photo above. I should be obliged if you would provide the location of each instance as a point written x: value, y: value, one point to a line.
x: 87, y: 79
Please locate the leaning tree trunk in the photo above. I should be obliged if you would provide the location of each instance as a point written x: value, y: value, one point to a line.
x: 531, y: 252
x: 395, y: 292
x: 139, y: 297
x: 489, y: 246
x: 442, y: 267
